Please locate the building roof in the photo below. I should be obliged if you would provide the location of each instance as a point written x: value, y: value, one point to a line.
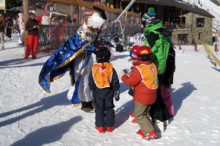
x: 90, y: 5
x: 177, y: 3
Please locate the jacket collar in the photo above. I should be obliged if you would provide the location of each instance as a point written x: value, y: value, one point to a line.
x: 152, y: 27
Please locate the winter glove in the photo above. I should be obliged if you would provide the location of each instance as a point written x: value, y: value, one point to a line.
x: 130, y: 91
x: 117, y: 93
x: 124, y: 72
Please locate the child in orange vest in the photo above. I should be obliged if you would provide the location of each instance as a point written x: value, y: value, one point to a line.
x: 104, y: 84
x: 144, y: 81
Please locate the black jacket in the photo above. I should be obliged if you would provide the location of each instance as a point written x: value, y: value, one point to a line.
x: 170, y: 68
x: 29, y: 26
x: 114, y: 86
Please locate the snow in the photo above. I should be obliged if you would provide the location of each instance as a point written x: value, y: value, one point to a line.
x: 31, y: 117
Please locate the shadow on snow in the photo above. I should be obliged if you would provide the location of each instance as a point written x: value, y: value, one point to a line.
x: 180, y: 94
x: 122, y: 113
x: 44, y: 104
x: 19, y: 62
x: 48, y: 134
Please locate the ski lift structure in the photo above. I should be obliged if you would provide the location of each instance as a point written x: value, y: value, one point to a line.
x: 120, y: 40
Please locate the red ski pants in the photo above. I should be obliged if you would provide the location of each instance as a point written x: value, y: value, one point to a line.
x: 32, y: 46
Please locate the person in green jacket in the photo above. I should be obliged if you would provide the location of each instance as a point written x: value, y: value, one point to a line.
x: 158, y: 39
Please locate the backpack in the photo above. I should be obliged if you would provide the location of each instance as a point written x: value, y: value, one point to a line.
x: 160, y: 52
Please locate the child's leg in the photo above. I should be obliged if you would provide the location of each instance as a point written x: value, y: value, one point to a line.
x: 99, y: 112
x: 141, y: 117
x: 110, y: 112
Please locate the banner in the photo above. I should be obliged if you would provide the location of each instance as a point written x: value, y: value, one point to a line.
x: 2, y: 4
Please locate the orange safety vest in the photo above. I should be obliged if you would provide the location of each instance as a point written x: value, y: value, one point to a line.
x: 102, y: 77
x: 148, y: 75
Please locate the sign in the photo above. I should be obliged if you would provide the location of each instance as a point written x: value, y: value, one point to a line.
x: 2, y: 4
x: 97, y: 2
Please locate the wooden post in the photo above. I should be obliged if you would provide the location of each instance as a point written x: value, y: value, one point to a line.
x: 26, y: 16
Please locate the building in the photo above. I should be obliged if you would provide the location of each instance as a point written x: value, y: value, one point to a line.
x: 188, y: 23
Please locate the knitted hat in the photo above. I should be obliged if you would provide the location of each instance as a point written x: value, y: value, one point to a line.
x: 150, y: 16
x: 151, y: 11
x: 103, y: 55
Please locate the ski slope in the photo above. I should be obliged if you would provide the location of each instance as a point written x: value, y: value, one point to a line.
x: 31, y: 117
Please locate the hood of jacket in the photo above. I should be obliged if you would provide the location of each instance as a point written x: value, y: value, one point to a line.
x: 157, y: 26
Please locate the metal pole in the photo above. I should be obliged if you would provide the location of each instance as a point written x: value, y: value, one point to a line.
x: 122, y: 13
x: 125, y: 10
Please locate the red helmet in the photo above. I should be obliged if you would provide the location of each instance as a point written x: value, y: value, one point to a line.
x: 134, y: 52
x: 144, y: 50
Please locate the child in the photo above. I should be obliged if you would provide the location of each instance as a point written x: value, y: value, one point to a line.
x: 143, y: 79
x: 104, y: 84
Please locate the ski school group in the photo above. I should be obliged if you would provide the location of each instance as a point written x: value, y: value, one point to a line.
x: 95, y: 86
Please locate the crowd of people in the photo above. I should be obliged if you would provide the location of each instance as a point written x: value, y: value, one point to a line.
x: 9, y: 25
x: 95, y: 86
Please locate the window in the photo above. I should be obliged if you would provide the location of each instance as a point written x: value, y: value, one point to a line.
x: 182, y: 38
x: 200, y: 22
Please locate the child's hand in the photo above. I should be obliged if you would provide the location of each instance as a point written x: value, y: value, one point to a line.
x: 124, y: 72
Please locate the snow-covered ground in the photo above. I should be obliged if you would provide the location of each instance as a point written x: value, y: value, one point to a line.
x: 31, y: 117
